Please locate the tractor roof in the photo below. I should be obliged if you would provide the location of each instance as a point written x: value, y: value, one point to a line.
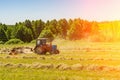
x: 47, y: 39
x: 42, y: 39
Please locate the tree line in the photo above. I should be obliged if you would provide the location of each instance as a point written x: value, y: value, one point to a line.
x: 72, y: 29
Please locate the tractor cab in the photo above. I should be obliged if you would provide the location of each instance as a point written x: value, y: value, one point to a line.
x: 41, y: 41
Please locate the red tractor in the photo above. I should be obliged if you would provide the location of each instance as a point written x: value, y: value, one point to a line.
x: 43, y: 45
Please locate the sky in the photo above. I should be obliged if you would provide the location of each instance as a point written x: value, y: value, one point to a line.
x: 12, y: 11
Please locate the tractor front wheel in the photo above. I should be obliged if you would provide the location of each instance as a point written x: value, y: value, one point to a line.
x: 55, y: 52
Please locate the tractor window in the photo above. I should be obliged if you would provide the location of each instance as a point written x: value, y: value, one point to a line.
x: 38, y: 42
x: 44, y: 41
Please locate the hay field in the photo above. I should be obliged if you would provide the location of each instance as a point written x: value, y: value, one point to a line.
x: 77, y: 60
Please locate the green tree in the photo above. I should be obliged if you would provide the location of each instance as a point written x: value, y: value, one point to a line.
x: 25, y: 34
x: 29, y: 25
x: 63, y: 27
x: 3, y: 36
x: 9, y: 32
x: 38, y: 26
x: 53, y: 27
x: 79, y: 29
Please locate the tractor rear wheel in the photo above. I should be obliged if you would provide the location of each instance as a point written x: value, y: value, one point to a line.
x: 39, y: 50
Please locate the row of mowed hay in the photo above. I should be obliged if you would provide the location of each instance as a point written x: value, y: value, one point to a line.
x: 62, y: 66
x: 58, y: 58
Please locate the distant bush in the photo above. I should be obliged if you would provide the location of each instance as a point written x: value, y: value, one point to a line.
x: 14, y: 41
x: 1, y: 42
x: 47, y: 34
x: 33, y: 41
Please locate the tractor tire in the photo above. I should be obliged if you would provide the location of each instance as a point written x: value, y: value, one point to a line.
x: 39, y: 50
x: 55, y: 52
